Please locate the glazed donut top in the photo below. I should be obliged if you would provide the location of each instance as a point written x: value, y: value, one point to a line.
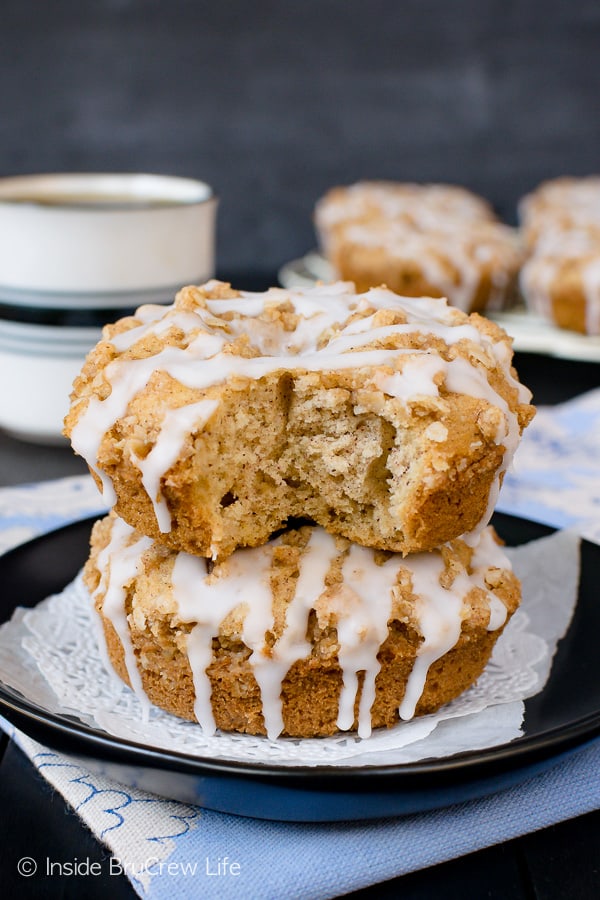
x: 404, y: 348
x: 559, y: 205
x: 566, y: 261
x: 451, y: 258
x: 424, y: 207
x: 561, y: 224
x: 352, y: 589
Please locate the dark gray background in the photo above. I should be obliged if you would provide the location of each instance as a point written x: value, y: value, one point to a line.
x: 274, y: 102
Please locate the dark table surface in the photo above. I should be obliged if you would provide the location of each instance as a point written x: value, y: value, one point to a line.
x: 558, y: 862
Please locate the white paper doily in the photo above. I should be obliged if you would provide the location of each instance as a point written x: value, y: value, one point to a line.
x: 51, y: 656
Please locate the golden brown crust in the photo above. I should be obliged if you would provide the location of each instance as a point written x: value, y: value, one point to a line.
x: 415, y: 205
x: 554, y: 286
x: 420, y: 240
x: 471, y: 279
x: 561, y: 279
x: 311, y: 689
x: 560, y: 206
x: 330, y: 445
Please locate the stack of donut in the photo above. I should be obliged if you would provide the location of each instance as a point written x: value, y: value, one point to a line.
x: 561, y: 226
x: 436, y: 240
x: 301, y: 484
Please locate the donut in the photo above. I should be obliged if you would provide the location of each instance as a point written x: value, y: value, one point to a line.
x: 305, y: 636
x: 475, y: 266
x: 387, y: 420
x: 561, y: 279
x: 420, y: 240
x: 558, y: 206
x: 421, y: 206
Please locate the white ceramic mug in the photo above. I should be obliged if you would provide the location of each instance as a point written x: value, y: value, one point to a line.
x: 76, y: 251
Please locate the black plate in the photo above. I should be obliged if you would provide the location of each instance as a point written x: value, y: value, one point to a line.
x: 563, y: 716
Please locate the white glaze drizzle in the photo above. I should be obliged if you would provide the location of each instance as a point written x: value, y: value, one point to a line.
x: 591, y: 287
x: 119, y: 563
x: 348, y: 338
x: 127, y: 378
x: 487, y: 552
x: 555, y: 247
x: 207, y: 601
x: 439, y: 613
x: 154, y: 323
x: 360, y: 608
x: 363, y: 607
x: 176, y: 426
x: 543, y: 268
x: 201, y: 364
x: 425, y: 206
x: 447, y: 232
x: 423, y: 249
x: 415, y: 380
x: 460, y: 377
x: 465, y: 379
x: 292, y: 644
x: 498, y: 613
